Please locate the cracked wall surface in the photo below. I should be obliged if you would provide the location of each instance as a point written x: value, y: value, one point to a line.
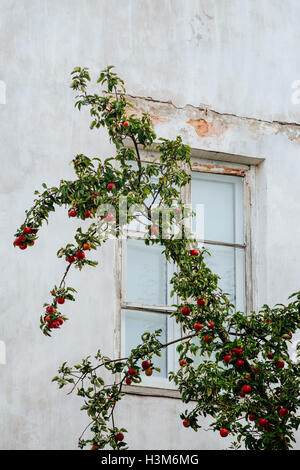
x: 220, y: 74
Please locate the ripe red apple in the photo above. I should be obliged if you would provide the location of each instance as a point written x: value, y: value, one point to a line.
x: 72, y: 213
x: 87, y: 214
x: 120, y: 436
x: 80, y: 254
x: 50, y: 309
x: 279, y: 364
x: 128, y: 381
x: 125, y: 124
x: 270, y: 356
x: 185, y: 310
x: 194, y: 252
x: 110, y: 186
x: 246, y: 389
x: 47, y: 319
x: 60, y: 320
x: 17, y: 242
x: 182, y: 362
x: 238, y: 351
x: 252, y: 417
x: 61, y: 300
x: 186, y: 423
x: 148, y: 372
x: 224, y: 432
x: 22, y: 246
x: 27, y: 230
x: 201, y: 302
x: 146, y: 365
x: 198, y: 326
x: 239, y: 363
x: 211, y: 325
x: 227, y: 358
x: 207, y: 339
x: 131, y: 371
x: 262, y: 422
x: 283, y: 412
x: 70, y: 259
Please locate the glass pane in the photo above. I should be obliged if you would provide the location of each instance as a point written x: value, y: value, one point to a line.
x: 135, y: 323
x: 229, y: 263
x: 146, y: 280
x: 223, y: 200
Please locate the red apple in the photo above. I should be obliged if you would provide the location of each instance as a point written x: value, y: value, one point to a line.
x: 182, y: 362
x: 262, y: 422
x: 50, y: 309
x: 146, y: 365
x: 185, y: 310
x: 110, y: 186
x: 207, y: 339
x: 211, y: 325
x: 201, y: 302
x: 186, y: 423
x: 120, y: 436
x: 194, y: 252
x: 224, y: 432
x: 227, y: 358
x: 279, y: 364
x: 27, y: 230
x: 80, y: 254
x: 87, y: 214
x: 61, y: 300
x: 239, y: 363
x: 72, y: 213
x: 198, y: 326
x: 283, y: 412
x: 252, y: 417
x: 131, y: 371
x: 246, y: 389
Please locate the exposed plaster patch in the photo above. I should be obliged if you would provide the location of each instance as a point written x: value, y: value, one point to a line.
x: 205, y: 108
x: 205, y: 129
x: 210, y: 123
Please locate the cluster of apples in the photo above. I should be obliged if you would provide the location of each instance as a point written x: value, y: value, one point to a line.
x: 146, y: 366
x: 26, y: 238
x: 79, y: 254
x: 53, y: 320
x: 88, y: 213
x: 198, y: 326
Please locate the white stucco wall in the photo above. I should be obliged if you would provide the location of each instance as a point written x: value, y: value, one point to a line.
x: 233, y: 57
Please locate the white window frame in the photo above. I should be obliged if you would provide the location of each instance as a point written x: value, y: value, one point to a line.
x: 162, y: 387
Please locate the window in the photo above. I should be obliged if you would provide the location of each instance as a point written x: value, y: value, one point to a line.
x: 222, y: 197
x: 145, y: 298
x: 147, y: 304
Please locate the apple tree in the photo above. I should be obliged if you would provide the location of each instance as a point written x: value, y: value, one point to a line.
x: 247, y: 381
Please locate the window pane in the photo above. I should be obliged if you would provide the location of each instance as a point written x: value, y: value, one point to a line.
x: 146, y: 280
x: 229, y: 263
x: 135, y: 323
x: 222, y: 196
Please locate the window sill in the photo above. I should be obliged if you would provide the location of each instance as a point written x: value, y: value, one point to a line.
x: 151, y: 391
